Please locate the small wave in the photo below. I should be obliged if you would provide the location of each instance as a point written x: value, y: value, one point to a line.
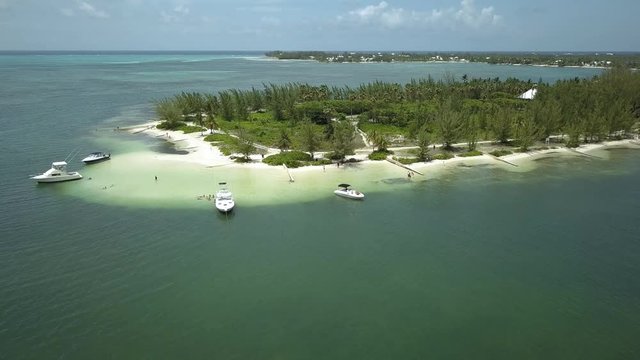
x: 124, y: 62
x: 260, y: 58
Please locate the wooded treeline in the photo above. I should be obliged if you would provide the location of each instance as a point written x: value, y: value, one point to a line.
x: 631, y: 60
x: 449, y: 110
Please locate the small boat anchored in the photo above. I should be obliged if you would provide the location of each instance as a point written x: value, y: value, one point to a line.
x: 57, y: 173
x: 345, y: 191
x: 224, y: 199
x: 95, y: 157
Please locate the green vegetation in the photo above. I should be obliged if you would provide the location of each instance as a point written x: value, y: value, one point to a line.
x: 406, y: 160
x: 343, y: 139
x: 379, y: 154
x: 471, y: 153
x: 294, y: 159
x: 443, y: 156
x: 218, y: 137
x: 171, y: 125
x: 549, y: 59
x: 187, y: 129
x: 499, y: 153
x: 309, y: 138
x: 312, y: 118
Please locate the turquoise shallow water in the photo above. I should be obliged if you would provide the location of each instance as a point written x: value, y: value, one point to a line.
x: 477, y: 263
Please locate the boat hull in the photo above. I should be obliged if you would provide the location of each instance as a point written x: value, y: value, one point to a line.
x: 349, y: 194
x: 93, y: 160
x: 62, y: 178
x: 225, y: 207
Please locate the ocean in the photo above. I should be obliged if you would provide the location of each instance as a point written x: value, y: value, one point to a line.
x: 477, y: 262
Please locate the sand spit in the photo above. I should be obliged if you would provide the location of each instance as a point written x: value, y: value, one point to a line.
x: 184, y: 180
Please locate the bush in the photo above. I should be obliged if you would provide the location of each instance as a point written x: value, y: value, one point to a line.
x: 406, y: 161
x: 217, y: 137
x: 379, y: 154
x: 241, y: 159
x: 170, y: 125
x: 471, y: 153
x: 187, y: 129
x: 443, y: 156
x: 316, y: 111
x: 498, y: 153
x: 333, y: 156
x: 292, y: 159
x: 226, y: 149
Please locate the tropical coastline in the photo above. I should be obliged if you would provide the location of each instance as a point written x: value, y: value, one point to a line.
x: 185, y: 179
x: 204, y: 153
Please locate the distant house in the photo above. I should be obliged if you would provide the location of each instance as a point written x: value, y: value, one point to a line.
x: 529, y: 94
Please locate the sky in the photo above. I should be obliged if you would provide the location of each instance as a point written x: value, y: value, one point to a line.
x: 358, y: 25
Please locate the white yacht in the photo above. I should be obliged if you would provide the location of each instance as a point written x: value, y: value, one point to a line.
x: 96, y: 157
x: 57, y: 173
x: 345, y: 191
x: 224, y: 198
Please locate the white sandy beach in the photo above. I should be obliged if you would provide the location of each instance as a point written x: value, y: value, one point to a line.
x: 129, y: 178
x: 203, y: 153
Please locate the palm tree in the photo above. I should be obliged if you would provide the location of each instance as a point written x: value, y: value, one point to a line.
x: 378, y: 140
x: 343, y: 138
x: 501, y: 124
x: 226, y: 105
x: 470, y: 130
x: 244, y: 144
x: 423, y: 140
x: 526, y: 131
x: 284, y: 143
x: 309, y: 138
x: 169, y: 112
x: 448, y: 123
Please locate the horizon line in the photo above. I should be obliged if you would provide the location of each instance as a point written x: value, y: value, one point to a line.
x: 567, y: 52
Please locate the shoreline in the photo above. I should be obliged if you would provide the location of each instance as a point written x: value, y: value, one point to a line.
x: 204, y: 153
x: 449, y: 62
x: 149, y: 179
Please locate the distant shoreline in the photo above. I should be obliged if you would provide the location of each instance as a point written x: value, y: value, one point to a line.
x: 582, y: 60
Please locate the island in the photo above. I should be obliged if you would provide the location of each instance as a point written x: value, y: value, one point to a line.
x: 560, y: 59
x: 424, y: 120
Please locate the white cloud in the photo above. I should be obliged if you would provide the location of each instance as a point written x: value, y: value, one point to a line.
x: 261, y: 9
x: 91, y: 10
x: 174, y: 15
x: 181, y: 9
x: 470, y: 16
x: 385, y: 15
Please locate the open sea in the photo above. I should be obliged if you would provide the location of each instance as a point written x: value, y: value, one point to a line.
x: 478, y: 263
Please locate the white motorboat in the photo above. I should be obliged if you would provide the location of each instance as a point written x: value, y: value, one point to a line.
x: 95, y: 157
x: 224, y: 198
x: 57, y: 173
x: 345, y: 191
